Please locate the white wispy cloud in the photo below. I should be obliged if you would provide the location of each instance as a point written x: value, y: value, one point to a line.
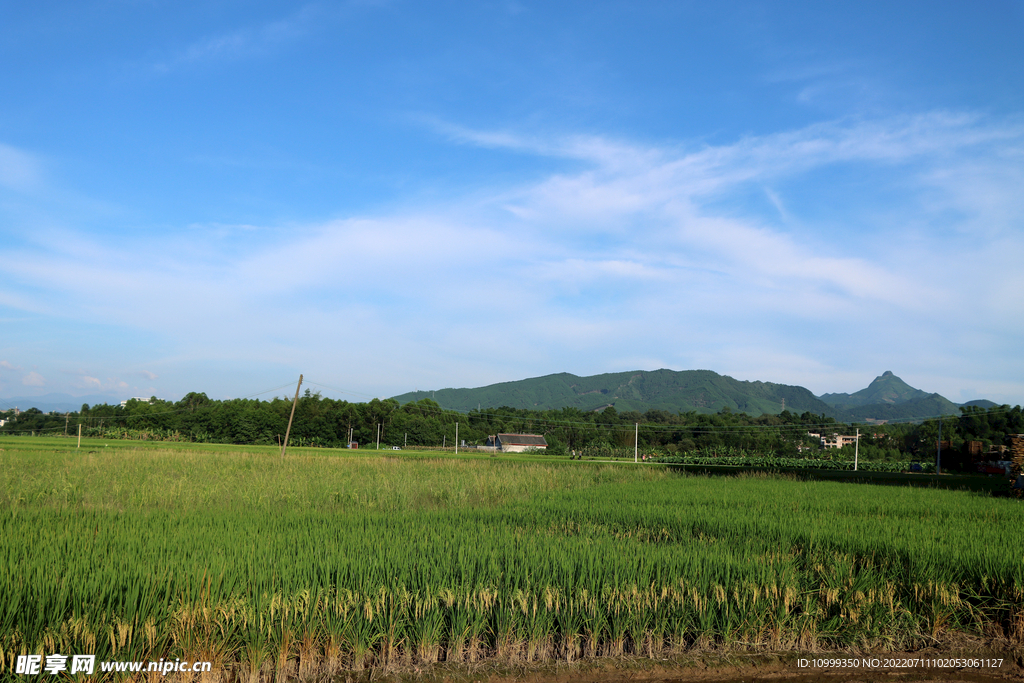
x: 19, y: 170
x: 33, y: 379
x: 83, y: 380
x: 245, y: 42
x: 632, y: 255
x: 811, y: 67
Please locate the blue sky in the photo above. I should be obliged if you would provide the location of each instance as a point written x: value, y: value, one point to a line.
x: 387, y: 196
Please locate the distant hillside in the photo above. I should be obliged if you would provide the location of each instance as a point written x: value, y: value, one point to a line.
x: 887, y: 397
x: 982, y: 403
x: 928, y: 405
x: 886, y: 389
x: 60, y: 403
x: 703, y: 391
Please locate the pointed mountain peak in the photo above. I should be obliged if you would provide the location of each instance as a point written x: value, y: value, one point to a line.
x: 886, y: 388
x: 886, y: 376
x: 889, y: 379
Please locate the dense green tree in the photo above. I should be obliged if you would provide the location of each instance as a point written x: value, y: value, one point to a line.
x: 322, y: 421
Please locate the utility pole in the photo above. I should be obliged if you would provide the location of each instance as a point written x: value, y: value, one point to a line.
x: 406, y: 440
x: 636, y: 441
x: 378, y: 436
x: 79, y: 435
x: 456, y: 438
x: 66, y: 423
x: 291, y: 417
x: 856, y: 449
x: 938, y: 450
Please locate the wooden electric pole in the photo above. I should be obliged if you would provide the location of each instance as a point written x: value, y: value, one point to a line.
x: 636, y: 442
x: 291, y: 417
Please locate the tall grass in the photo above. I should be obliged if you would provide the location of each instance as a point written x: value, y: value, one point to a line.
x: 315, y: 564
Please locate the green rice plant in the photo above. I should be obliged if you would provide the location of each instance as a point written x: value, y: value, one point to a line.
x: 393, y: 626
x: 616, y: 626
x: 539, y: 628
x: 321, y: 564
x: 570, y: 621
x: 638, y: 628
x: 594, y: 626
x: 478, y: 624
x: 426, y: 630
x: 335, y: 612
x: 362, y: 636
x: 503, y: 632
x: 460, y: 626
x: 256, y: 647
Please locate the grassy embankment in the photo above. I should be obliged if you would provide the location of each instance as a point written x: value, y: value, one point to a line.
x: 332, y: 560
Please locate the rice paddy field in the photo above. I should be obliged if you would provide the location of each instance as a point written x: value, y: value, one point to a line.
x: 330, y: 562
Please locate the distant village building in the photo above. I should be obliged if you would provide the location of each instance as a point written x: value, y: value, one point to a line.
x: 140, y: 399
x: 517, y: 443
x: 836, y: 441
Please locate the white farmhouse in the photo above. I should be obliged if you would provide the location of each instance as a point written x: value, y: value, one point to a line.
x: 517, y: 443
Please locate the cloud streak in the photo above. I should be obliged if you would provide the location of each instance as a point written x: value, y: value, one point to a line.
x: 641, y: 253
x: 33, y: 379
x: 19, y: 170
x: 244, y: 42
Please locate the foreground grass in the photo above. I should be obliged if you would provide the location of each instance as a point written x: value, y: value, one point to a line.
x: 332, y: 560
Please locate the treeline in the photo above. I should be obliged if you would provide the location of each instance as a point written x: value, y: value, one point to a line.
x: 328, y: 422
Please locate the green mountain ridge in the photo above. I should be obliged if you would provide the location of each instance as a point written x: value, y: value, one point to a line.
x: 703, y: 391
x: 927, y: 405
x: 887, y: 388
x: 982, y: 403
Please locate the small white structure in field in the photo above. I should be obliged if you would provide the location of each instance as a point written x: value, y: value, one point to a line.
x: 517, y: 443
x: 837, y: 440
